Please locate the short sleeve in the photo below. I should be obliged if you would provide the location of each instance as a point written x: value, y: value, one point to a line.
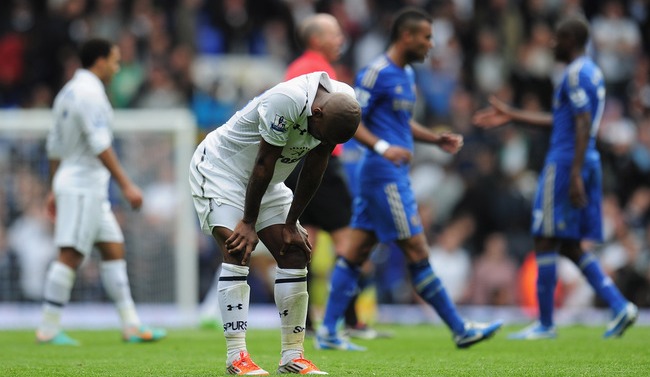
x: 578, y: 86
x: 277, y: 112
x: 95, y: 122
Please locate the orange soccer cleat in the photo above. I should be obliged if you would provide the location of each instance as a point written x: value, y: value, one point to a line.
x: 244, y: 366
x: 299, y: 365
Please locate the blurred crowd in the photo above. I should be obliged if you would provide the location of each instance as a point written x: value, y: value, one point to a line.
x: 212, y: 56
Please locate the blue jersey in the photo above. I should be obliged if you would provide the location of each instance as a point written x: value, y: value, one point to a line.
x: 384, y: 201
x: 582, y: 90
x: 386, y: 93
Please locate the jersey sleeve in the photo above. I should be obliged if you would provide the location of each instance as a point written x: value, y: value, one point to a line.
x: 277, y: 113
x: 578, y: 85
x: 368, y: 91
x: 53, y: 142
x: 95, y: 124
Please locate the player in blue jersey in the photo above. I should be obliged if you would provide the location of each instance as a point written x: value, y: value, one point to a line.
x: 567, y: 207
x: 384, y: 206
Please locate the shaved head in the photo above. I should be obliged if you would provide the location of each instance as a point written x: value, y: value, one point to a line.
x: 335, y: 118
x: 322, y: 33
x: 343, y: 115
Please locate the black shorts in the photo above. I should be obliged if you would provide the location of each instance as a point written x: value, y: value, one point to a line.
x: 331, y: 207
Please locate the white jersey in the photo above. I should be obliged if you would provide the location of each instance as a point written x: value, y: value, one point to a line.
x: 82, y: 129
x: 279, y: 116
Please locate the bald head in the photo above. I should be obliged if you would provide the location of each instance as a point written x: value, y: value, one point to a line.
x: 322, y: 33
x: 336, y: 118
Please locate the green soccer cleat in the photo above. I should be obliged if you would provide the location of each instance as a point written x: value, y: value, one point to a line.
x: 143, y: 334
x: 60, y: 339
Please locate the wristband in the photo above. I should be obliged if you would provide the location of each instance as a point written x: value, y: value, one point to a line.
x: 381, y: 147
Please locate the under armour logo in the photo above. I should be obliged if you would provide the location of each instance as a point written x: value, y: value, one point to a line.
x: 238, y: 306
x: 284, y: 313
x: 297, y: 127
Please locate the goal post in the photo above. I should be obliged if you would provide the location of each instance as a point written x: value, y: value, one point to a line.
x: 150, y: 144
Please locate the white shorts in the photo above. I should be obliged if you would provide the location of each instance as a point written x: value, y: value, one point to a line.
x: 213, y: 212
x: 219, y: 198
x: 83, y: 219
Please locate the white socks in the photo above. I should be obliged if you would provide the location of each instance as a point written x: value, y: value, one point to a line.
x: 116, y: 284
x: 58, y: 285
x: 291, y: 298
x: 234, y: 297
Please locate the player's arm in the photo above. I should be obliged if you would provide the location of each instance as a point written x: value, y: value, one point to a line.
x: 50, y: 202
x: 500, y: 113
x: 244, y: 237
x: 576, y: 185
x: 129, y: 189
x: 393, y: 153
x: 449, y: 142
x: 309, y: 180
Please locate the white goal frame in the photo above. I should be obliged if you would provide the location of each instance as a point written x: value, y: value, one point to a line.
x: 179, y: 123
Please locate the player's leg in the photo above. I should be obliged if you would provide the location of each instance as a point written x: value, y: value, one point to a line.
x: 624, y: 312
x: 115, y: 279
x: 291, y: 299
x: 77, y: 221
x: 430, y: 289
x: 234, y: 300
x: 547, y: 213
x: 343, y: 288
x: 56, y: 295
x: 590, y: 227
x: 546, y: 257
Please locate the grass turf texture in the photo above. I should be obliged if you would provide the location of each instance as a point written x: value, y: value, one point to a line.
x: 414, y: 351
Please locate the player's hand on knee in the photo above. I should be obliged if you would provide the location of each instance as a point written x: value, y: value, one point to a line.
x: 295, y: 236
x: 242, y: 240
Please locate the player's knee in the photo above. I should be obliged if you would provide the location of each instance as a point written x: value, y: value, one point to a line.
x: 293, y: 257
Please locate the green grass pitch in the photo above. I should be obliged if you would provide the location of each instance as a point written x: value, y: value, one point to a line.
x: 414, y: 351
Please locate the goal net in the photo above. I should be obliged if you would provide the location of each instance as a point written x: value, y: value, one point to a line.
x: 155, y: 149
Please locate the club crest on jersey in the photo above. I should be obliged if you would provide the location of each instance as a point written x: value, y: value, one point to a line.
x: 280, y: 123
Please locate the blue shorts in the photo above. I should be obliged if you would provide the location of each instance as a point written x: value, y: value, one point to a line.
x: 388, y: 209
x: 553, y: 214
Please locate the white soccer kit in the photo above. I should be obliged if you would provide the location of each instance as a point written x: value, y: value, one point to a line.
x: 223, y: 162
x: 82, y: 129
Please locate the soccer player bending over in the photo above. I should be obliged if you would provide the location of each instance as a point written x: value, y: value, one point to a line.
x: 82, y: 162
x: 237, y: 178
x: 567, y: 207
x: 385, y: 209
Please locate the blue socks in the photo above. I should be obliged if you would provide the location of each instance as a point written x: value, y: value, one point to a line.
x: 546, y: 281
x: 429, y: 287
x: 344, y: 286
x: 602, y: 284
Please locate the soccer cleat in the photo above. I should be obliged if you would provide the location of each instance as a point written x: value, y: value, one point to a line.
x: 299, y: 365
x: 335, y: 342
x: 363, y: 331
x: 535, y: 331
x: 143, y: 334
x: 476, y: 332
x: 622, y: 320
x: 60, y: 339
x: 244, y: 366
